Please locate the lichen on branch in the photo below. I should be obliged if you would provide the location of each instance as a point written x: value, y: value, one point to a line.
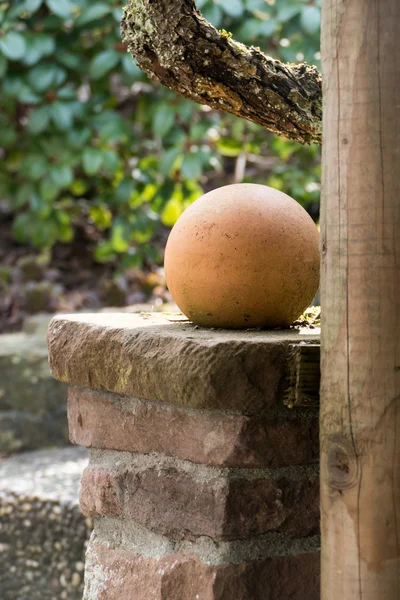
x: 173, y: 43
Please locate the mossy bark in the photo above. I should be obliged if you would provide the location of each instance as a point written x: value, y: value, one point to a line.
x: 176, y: 46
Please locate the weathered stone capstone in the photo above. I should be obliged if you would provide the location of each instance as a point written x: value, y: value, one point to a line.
x: 201, y: 482
x: 151, y: 357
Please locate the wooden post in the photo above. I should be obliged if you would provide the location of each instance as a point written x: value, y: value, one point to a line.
x: 360, y: 391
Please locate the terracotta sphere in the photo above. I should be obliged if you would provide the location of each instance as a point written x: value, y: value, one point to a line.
x: 241, y: 256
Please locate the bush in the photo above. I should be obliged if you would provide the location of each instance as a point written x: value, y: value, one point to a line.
x: 87, y: 141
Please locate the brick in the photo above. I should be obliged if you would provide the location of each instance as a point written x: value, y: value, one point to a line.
x: 171, y: 502
x: 113, y: 574
x: 101, y: 493
x: 172, y: 362
x: 204, y: 437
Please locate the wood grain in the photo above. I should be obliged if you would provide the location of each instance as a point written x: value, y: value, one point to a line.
x: 360, y: 346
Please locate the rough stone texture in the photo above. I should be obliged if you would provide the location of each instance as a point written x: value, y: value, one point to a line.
x: 150, y: 357
x: 113, y: 574
x: 212, y: 438
x: 32, y: 404
x: 183, y: 500
x: 43, y: 535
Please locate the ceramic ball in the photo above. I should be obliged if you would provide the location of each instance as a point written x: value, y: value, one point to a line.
x: 242, y: 256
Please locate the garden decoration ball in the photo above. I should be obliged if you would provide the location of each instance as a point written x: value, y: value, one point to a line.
x: 243, y: 255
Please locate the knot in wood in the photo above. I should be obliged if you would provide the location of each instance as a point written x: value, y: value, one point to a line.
x: 341, y: 463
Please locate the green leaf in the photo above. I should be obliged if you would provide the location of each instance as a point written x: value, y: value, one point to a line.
x: 191, y: 166
x: 45, y: 75
x: 70, y: 60
x: 199, y: 130
x: 61, y: 8
x: 8, y: 136
x: 131, y: 260
x: 65, y: 231
x: 79, y: 187
x: 287, y: 12
x: 12, y: 85
x: 92, y: 161
x: 163, y: 120
x: 267, y: 27
x: 213, y: 13
x: 66, y: 93
x: 171, y: 212
x: 79, y: 137
x: 41, y: 77
x: 112, y: 130
x: 22, y: 227
x: 62, y: 176
x: 23, y: 195
x: 101, y: 216
x: 28, y: 96
x: 44, y: 233
x: 13, y: 45
x: 124, y: 191
x: 118, y: 13
x: 257, y: 5
x: 120, y: 235
x: 168, y: 160
x: 249, y: 30
x: 130, y: 67
x: 104, y: 252
x: 31, y: 6
x: 111, y: 161
x: 233, y: 8
x: 93, y: 12
x: 102, y: 63
x: 48, y: 189
x: 39, y: 119
x: 44, y: 44
x: 3, y: 65
x: 34, y: 167
x: 310, y: 19
x: 61, y: 115
x: 229, y: 147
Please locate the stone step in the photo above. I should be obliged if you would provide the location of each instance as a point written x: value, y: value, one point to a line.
x: 43, y: 535
x: 32, y: 405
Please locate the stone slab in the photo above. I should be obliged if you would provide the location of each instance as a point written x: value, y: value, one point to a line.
x: 43, y: 535
x: 182, y: 500
x: 32, y: 404
x: 113, y: 574
x: 213, y: 438
x: 148, y: 356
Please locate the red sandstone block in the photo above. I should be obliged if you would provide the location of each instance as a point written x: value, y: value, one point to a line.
x: 172, y: 502
x: 114, y: 574
x: 103, y: 420
x: 100, y: 493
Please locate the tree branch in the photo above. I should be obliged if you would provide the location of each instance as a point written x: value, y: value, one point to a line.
x: 177, y: 47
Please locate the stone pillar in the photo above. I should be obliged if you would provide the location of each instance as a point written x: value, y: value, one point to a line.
x: 202, y: 484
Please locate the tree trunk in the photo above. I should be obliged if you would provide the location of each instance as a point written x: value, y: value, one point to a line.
x: 360, y: 230
x: 176, y: 46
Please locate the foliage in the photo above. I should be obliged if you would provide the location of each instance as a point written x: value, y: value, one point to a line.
x: 88, y: 141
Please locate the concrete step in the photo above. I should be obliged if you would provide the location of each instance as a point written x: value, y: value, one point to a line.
x: 43, y: 535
